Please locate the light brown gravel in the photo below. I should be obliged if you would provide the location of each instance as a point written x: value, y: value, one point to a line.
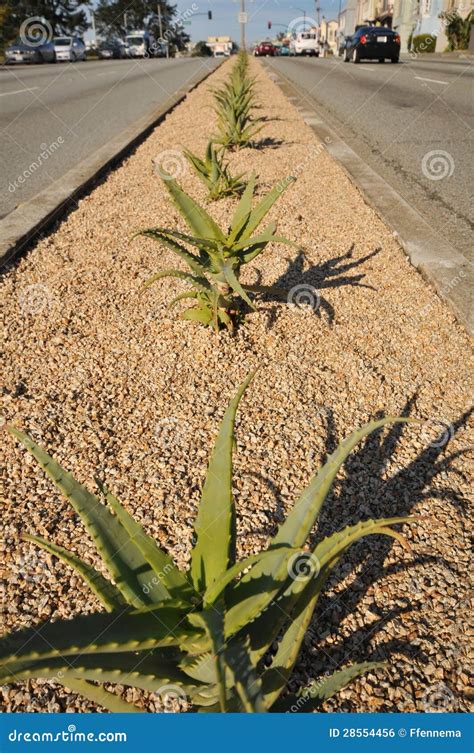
x: 111, y: 382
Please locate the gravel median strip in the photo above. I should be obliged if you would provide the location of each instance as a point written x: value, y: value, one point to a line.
x: 114, y: 384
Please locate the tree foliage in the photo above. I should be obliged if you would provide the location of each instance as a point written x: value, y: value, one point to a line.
x: 117, y: 17
x: 201, y: 49
x: 457, y: 29
x: 61, y: 17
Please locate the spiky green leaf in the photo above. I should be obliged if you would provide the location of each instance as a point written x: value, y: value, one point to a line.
x: 214, y: 526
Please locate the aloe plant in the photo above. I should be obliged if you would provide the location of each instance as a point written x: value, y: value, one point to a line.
x: 215, y: 173
x: 206, y: 632
x: 216, y: 266
x: 235, y: 100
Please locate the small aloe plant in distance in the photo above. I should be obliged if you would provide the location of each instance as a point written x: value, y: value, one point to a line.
x: 209, y: 632
x: 235, y: 100
x: 216, y: 265
x: 215, y: 173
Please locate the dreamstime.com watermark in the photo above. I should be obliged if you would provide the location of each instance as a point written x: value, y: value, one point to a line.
x: 71, y: 735
x: 313, y: 151
x: 445, y: 290
x: 45, y: 153
x: 445, y: 18
x: 171, y: 697
x: 170, y: 33
x: 437, y: 164
x: 36, y: 31
x: 36, y: 299
x: 149, y: 586
x: 169, y: 164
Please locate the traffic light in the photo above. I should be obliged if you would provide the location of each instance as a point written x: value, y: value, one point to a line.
x: 269, y: 24
x: 209, y: 15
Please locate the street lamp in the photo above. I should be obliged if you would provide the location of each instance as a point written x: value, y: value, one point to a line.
x: 301, y: 10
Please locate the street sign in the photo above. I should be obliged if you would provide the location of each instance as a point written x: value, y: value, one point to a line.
x: 242, y: 18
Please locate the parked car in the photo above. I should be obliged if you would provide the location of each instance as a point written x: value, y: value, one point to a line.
x: 265, y: 48
x: 111, y: 48
x: 69, y: 48
x: 305, y: 43
x: 343, y: 42
x: 284, y: 50
x: 373, y: 43
x: 23, y: 51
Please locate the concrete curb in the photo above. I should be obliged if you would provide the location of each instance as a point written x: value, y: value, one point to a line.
x: 31, y: 219
x: 447, y: 270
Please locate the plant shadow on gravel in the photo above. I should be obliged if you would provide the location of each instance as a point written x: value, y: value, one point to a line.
x: 331, y: 273
x: 268, y: 143
x: 397, y: 495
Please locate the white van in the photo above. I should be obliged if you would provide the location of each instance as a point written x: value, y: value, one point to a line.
x: 305, y: 43
x: 69, y: 48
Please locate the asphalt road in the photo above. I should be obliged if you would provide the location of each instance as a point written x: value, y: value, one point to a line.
x: 395, y: 117
x: 67, y: 111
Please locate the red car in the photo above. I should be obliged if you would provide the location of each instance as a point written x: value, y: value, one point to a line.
x: 265, y: 48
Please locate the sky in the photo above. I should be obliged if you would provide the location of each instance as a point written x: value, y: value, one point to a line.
x: 224, y: 16
x: 260, y: 12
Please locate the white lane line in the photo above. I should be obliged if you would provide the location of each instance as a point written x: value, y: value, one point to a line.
x: 19, y: 91
x: 433, y: 80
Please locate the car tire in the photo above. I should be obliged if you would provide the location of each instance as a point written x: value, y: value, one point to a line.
x: 381, y: 60
x: 395, y: 60
x: 345, y: 57
x: 356, y: 58
x: 39, y: 58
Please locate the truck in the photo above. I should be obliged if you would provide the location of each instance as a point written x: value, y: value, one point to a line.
x: 140, y: 44
x: 305, y: 43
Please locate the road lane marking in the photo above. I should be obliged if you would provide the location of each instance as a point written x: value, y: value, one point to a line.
x: 19, y: 91
x: 433, y: 80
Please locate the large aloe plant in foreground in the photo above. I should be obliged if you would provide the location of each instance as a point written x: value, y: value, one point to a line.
x: 207, y: 633
x: 216, y: 264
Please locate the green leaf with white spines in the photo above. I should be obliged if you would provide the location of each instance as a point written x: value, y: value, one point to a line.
x: 108, y: 594
x: 172, y: 582
x: 123, y: 559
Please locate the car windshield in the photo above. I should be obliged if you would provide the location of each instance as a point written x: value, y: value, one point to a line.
x: 63, y: 41
x: 135, y: 40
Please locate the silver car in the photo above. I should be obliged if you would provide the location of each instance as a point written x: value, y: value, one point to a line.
x: 23, y: 51
x: 69, y: 49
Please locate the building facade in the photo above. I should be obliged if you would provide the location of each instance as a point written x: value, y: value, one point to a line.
x: 413, y: 17
x: 347, y: 18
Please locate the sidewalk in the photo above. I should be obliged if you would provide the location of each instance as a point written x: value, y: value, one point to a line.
x: 446, y: 57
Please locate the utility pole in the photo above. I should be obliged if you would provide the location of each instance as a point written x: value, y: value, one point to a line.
x: 243, y: 21
x: 318, y: 13
x: 160, y: 22
x: 160, y: 27
x: 93, y: 28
